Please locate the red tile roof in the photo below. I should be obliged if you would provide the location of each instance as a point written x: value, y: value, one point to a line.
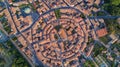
x: 102, y: 32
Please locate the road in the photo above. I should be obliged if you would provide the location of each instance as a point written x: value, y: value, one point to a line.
x: 68, y: 7
x: 45, y: 14
x: 37, y: 18
x: 7, y: 6
x: 14, y: 44
x: 104, y: 17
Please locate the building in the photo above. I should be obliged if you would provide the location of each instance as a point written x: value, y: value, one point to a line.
x: 101, y: 32
x: 90, y: 50
x: 101, y: 62
x: 114, y: 39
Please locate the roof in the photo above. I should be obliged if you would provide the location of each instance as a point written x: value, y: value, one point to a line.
x: 102, y: 32
x: 89, y: 52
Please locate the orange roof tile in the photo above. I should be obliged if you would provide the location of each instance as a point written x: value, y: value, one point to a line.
x: 102, y: 32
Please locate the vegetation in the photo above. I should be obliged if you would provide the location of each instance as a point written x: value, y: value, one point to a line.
x: 113, y: 55
x: 73, y: 31
x: 1, y: 16
x: 2, y: 61
x: 89, y: 63
x: 116, y: 45
x: 24, y: 5
x: 68, y: 28
x: 32, y: 7
x: 8, y: 29
x: 56, y: 36
x: 39, y: 29
x: 14, y: 38
x: 66, y: 44
x: 98, y: 49
x: 82, y: 15
x: 115, y: 64
x: 115, y: 2
x: 5, y: 24
x: 16, y: 58
x: 58, y: 27
x: 28, y: 5
x: 90, y: 40
x: 112, y: 26
x: 19, y: 61
x: 15, y: 0
x: 112, y: 7
x: 100, y: 14
x: 57, y: 13
x: 104, y: 39
x: 95, y: 5
x: 37, y: 2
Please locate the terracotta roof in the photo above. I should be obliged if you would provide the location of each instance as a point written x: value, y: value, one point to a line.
x: 102, y: 32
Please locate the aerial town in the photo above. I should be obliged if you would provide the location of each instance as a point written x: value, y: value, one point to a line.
x: 59, y: 33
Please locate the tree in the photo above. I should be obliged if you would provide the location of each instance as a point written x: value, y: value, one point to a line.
x: 2, y: 61
x: 56, y: 36
x: 115, y: 2
x: 112, y: 6
x: 58, y: 27
x: 57, y: 13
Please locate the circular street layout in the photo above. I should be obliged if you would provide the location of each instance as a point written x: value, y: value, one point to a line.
x: 57, y: 33
x: 61, y: 38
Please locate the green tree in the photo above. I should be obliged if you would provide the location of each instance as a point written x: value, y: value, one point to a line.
x: 115, y: 2
x: 112, y: 7
x: 57, y: 13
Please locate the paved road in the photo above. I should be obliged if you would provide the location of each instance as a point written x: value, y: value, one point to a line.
x: 46, y: 4
x: 104, y: 17
x: 65, y: 2
x: 37, y: 18
x: 7, y: 6
x: 14, y: 44
x: 45, y: 14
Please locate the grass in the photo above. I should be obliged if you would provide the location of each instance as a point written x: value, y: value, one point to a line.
x: 57, y: 13
x: 28, y: 5
x: 89, y: 63
x: 98, y: 49
x: 104, y: 39
x: 24, y: 5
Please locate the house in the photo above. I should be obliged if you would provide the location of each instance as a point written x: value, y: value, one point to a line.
x: 114, y: 39
x: 101, y: 32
